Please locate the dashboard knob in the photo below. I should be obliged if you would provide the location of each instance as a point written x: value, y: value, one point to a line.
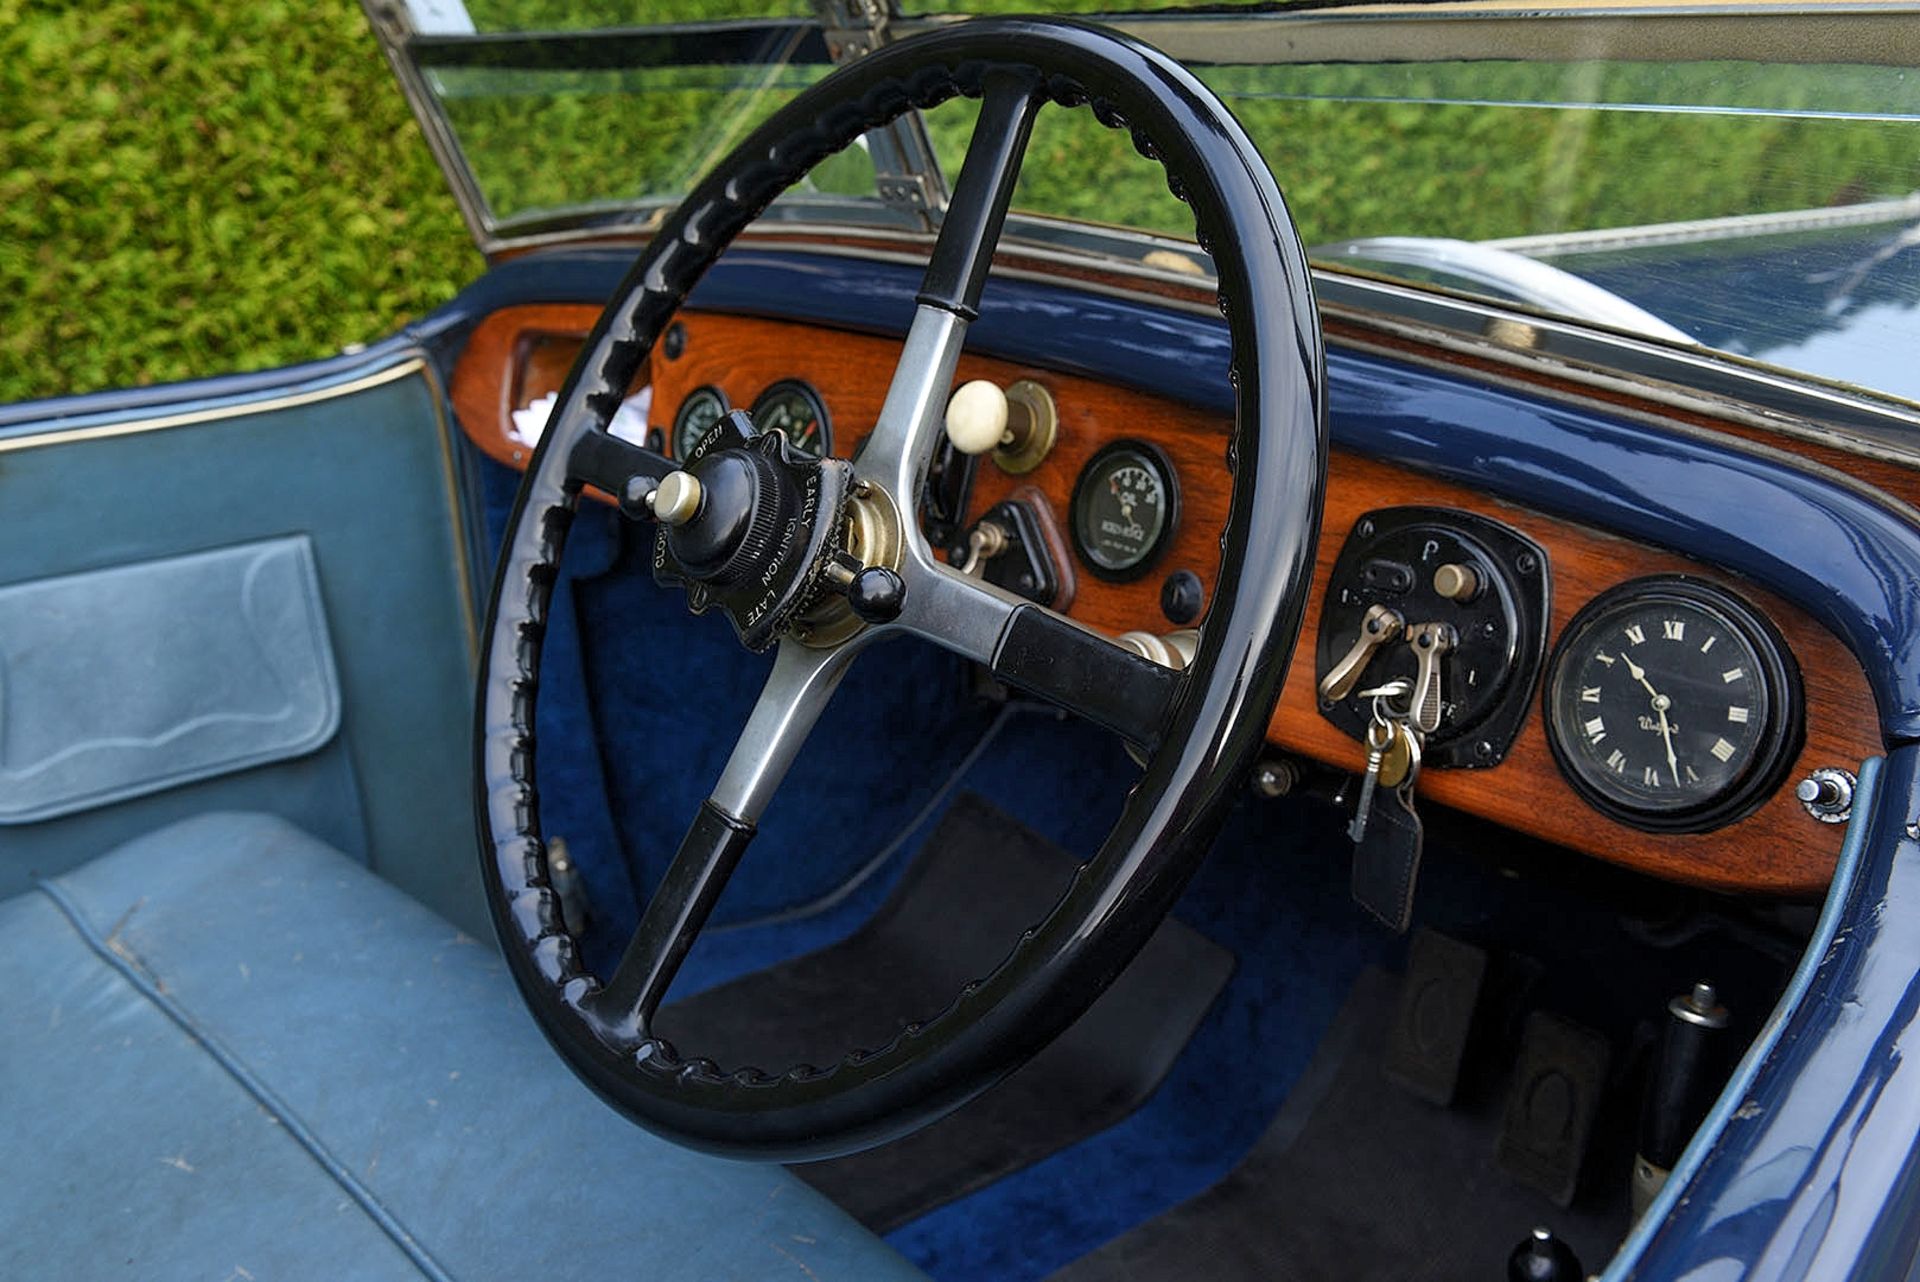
x: 677, y: 498
x: 1018, y: 426
x: 1457, y: 582
x: 977, y: 417
x: 876, y: 594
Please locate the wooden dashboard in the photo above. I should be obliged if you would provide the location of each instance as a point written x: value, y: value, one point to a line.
x: 521, y: 353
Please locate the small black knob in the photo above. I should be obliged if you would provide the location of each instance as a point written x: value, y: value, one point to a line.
x: 1543, y: 1258
x: 876, y: 594
x: 1181, y: 597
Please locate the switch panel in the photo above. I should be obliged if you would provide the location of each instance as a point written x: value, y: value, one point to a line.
x: 1452, y: 602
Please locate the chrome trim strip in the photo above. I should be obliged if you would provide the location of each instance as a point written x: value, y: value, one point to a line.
x: 1502, y: 271
x: 75, y: 433
x: 1706, y: 230
x: 393, y: 26
x: 1866, y: 31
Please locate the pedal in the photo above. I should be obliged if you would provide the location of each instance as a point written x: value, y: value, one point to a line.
x: 1435, y: 1018
x: 1556, y: 1091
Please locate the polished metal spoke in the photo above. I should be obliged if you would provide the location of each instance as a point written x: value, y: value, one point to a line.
x: 797, y: 691
x: 896, y: 453
x: 954, y: 611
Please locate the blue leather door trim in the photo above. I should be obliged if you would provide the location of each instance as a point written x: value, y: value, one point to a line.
x: 124, y: 681
x: 360, y: 462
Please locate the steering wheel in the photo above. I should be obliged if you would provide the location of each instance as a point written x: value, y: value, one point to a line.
x: 823, y: 557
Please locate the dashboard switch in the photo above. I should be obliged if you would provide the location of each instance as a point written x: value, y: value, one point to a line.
x: 1471, y: 597
x: 977, y: 417
x: 1174, y: 650
x: 1827, y: 794
x: 1431, y: 643
x: 1379, y: 627
x: 1392, y: 577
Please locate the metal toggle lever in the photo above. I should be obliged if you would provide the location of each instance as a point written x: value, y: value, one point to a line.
x: 1430, y: 642
x: 1378, y: 626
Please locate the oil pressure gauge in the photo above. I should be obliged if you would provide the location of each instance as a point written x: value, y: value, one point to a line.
x: 1673, y: 705
x: 1126, y: 506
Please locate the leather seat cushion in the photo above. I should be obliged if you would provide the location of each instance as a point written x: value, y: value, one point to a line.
x: 231, y: 1053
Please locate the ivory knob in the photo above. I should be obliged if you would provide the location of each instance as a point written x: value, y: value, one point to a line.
x: 977, y: 417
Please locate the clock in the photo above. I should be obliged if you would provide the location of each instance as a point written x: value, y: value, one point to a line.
x: 1673, y: 705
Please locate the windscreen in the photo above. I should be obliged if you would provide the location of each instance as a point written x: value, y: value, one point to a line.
x: 1764, y: 207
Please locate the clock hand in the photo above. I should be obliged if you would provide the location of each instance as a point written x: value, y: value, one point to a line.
x: 1666, y: 736
x: 1639, y: 674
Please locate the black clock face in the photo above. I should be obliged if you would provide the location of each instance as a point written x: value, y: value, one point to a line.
x: 1672, y: 704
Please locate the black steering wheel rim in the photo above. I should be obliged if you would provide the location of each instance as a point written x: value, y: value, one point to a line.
x: 1214, y: 719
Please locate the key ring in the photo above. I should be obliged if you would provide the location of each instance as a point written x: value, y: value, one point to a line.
x: 1383, y: 709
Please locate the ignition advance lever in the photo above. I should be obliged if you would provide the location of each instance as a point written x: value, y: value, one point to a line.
x: 1378, y: 627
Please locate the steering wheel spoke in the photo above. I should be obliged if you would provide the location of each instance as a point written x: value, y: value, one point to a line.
x: 617, y: 467
x: 698, y: 874
x: 970, y: 228
x: 1038, y: 651
x: 901, y: 444
x: 797, y: 691
x: 1086, y: 674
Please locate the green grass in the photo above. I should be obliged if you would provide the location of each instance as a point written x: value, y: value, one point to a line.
x: 190, y: 188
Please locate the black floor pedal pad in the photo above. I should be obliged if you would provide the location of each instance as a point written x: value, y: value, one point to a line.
x: 1435, y: 1017
x: 1358, y: 1181
x: 981, y: 880
x: 1551, y: 1105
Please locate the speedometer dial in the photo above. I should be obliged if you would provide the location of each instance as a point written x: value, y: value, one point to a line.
x: 1673, y: 705
x: 1125, y: 509
x: 703, y: 408
x: 794, y: 409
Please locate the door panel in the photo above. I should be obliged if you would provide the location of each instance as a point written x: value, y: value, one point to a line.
x: 355, y: 459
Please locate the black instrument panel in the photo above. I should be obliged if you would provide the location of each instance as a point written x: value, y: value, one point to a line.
x: 1481, y: 585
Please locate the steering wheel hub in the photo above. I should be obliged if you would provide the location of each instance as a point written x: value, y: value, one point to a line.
x: 765, y: 522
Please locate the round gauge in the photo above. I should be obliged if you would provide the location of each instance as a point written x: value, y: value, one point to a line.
x: 703, y: 407
x: 1125, y: 507
x: 795, y: 410
x: 1673, y: 705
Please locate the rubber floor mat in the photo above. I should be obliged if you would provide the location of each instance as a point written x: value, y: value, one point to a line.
x: 981, y: 880
x: 1358, y: 1181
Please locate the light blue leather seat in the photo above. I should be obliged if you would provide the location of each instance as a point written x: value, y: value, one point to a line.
x: 227, y: 1052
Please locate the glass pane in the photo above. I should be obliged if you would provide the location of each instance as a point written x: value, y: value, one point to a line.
x: 565, y: 15
x: 1761, y: 209
x: 546, y: 140
x: 982, y: 7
